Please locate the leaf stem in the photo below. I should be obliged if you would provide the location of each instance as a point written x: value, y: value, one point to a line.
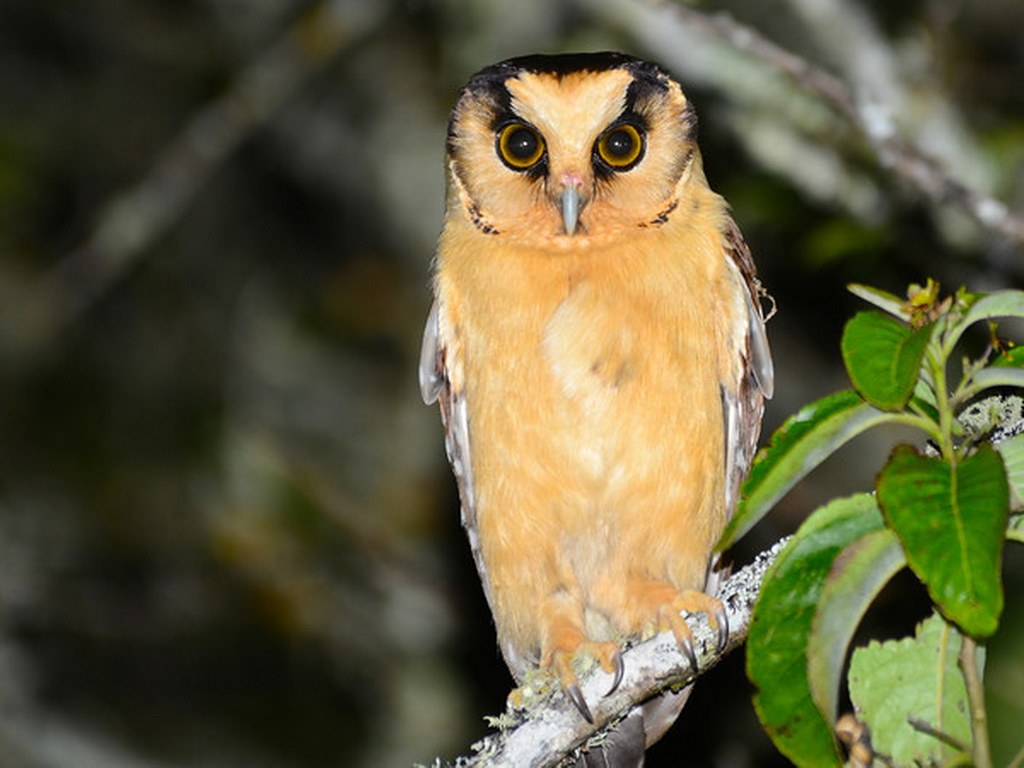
x: 918, y: 420
x: 920, y: 725
x: 981, y: 755
x: 944, y: 407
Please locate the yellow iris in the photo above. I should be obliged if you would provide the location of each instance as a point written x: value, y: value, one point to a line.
x: 620, y: 147
x: 520, y: 146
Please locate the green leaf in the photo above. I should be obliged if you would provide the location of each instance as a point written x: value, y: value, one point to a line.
x: 1010, y: 357
x: 989, y: 378
x: 798, y: 446
x: 781, y: 626
x: 951, y: 521
x: 1015, y: 531
x: 1012, y: 451
x: 913, y: 678
x: 887, y: 302
x: 988, y: 307
x: 883, y: 357
x: 857, y: 576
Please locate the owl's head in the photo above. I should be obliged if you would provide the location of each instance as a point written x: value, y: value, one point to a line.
x: 570, y: 148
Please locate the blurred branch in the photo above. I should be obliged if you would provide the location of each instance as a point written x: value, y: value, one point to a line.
x: 899, y: 77
x: 134, y: 219
x: 551, y: 728
x: 666, y: 29
x: 893, y: 153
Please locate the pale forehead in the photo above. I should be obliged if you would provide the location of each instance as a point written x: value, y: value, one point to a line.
x: 573, y: 105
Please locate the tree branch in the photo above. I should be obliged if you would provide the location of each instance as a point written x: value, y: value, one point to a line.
x: 135, y: 218
x: 549, y: 728
x: 678, y: 35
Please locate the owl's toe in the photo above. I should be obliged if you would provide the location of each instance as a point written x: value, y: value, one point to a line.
x: 689, y: 601
x: 607, y: 654
x: 576, y: 697
x: 619, y: 671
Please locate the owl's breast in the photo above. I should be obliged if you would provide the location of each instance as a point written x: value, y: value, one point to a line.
x: 629, y: 371
x: 591, y: 349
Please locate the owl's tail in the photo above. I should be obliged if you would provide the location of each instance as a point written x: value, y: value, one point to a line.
x: 625, y: 745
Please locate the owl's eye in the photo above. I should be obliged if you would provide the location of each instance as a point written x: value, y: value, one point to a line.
x: 519, y: 146
x: 621, y: 147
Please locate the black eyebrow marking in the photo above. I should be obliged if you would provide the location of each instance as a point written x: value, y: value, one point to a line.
x: 563, y: 64
x: 489, y: 82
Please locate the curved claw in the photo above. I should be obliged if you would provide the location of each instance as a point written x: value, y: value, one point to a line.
x: 686, y: 645
x: 576, y: 697
x: 722, y: 619
x: 620, y: 670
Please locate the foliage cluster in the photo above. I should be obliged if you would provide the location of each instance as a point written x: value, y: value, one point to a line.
x: 944, y: 510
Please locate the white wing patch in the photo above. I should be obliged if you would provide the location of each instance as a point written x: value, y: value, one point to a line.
x: 437, y: 363
x: 431, y: 375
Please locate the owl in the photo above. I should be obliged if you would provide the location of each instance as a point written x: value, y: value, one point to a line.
x: 598, y: 348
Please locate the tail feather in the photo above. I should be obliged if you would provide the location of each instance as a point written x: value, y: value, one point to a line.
x: 622, y: 748
x: 625, y: 745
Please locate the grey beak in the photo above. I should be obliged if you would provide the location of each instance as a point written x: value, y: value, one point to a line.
x: 570, y: 209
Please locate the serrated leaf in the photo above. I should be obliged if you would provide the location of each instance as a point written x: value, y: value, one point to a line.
x: 883, y: 357
x: 1012, y: 451
x: 914, y: 677
x: 781, y: 626
x: 988, y: 307
x: 805, y: 440
x: 859, y: 573
x: 951, y: 522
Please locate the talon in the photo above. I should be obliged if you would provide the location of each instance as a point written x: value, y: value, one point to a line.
x: 620, y: 670
x: 669, y: 618
x: 712, y: 607
x: 607, y: 654
x: 722, y: 619
x: 686, y: 646
x: 576, y: 697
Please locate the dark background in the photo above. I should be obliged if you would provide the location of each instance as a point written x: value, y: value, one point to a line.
x: 228, y: 536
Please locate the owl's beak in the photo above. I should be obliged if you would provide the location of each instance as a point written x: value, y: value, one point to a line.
x: 570, y: 208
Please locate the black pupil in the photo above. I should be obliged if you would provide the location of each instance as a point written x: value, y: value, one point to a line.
x: 619, y: 143
x: 522, y: 143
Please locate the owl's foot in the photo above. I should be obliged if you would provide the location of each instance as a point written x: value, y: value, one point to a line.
x: 690, y: 601
x: 560, y: 661
x: 564, y: 641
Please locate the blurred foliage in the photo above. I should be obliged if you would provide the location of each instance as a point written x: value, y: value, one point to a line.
x: 227, y: 533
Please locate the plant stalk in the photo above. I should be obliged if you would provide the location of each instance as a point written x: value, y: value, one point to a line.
x: 981, y: 755
x: 944, y: 407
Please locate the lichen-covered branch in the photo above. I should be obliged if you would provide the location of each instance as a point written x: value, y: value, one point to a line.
x: 549, y: 728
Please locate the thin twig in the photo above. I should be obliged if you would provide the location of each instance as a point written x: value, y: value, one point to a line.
x: 552, y: 728
x: 893, y: 153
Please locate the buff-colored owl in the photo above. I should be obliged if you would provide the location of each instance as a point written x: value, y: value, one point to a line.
x: 597, y: 345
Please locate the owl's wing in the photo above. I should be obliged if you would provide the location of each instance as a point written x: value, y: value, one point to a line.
x: 441, y: 379
x: 743, y: 405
